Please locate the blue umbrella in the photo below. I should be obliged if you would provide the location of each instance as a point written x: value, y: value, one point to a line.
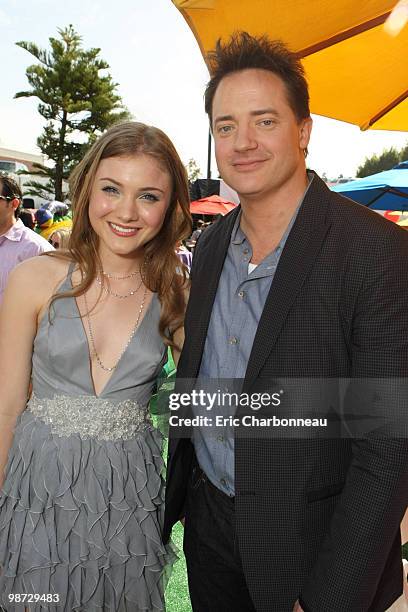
x: 383, y: 191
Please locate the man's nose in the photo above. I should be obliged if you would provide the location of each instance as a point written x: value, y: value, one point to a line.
x: 245, y: 138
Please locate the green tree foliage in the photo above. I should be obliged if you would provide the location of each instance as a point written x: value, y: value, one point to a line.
x: 378, y: 163
x: 193, y: 170
x: 403, y: 154
x: 78, y: 100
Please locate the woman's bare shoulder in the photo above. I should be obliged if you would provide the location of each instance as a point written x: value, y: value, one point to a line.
x: 44, y: 267
x: 38, y: 277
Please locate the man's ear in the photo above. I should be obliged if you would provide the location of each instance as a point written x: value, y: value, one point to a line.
x: 305, y: 129
x: 15, y: 203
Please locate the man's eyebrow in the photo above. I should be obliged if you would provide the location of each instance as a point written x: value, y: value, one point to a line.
x: 255, y: 113
x: 264, y: 111
x: 223, y: 118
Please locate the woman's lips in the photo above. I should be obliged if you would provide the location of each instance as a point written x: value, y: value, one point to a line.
x: 122, y: 230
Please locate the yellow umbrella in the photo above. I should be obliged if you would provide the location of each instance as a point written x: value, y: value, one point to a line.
x: 357, y: 71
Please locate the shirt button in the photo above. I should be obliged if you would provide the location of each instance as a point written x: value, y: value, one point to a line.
x: 245, y: 251
x: 233, y: 340
x: 220, y: 438
x: 223, y: 481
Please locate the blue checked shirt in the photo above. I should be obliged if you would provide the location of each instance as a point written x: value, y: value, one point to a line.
x: 237, y: 309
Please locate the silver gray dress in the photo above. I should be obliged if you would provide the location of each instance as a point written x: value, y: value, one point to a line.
x: 82, y: 504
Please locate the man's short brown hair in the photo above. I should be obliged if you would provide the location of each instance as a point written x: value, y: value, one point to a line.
x: 243, y: 52
x: 10, y: 189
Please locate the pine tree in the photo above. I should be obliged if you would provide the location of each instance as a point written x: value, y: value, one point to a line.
x: 78, y: 100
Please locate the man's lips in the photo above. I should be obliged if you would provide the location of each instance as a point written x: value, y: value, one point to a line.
x: 247, y: 164
x: 124, y: 231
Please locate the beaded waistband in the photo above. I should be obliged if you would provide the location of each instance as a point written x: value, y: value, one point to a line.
x: 90, y: 416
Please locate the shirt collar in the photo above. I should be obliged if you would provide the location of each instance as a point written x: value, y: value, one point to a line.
x: 238, y: 236
x: 15, y: 232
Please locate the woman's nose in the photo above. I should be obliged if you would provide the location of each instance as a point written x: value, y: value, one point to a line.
x: 128, y: 209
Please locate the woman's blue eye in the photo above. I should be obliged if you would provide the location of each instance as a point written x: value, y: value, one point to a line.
x: 149, y: 196
x: 110, y: 189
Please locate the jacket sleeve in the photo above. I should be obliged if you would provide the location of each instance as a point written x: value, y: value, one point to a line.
x: 365, y: 524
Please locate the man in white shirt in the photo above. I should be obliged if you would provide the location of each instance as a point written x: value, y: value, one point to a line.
x: 17, y: 242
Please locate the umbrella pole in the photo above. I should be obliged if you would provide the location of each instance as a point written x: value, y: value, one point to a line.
x: 209, y: 155
x: 386, y: 190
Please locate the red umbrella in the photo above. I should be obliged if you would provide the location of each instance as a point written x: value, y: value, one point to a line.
x: 212, y: 205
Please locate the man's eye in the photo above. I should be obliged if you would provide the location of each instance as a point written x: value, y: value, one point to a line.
x: 267, y: 122
x: 150, y: 197
x: 224, y: 129
x: 110, y: 190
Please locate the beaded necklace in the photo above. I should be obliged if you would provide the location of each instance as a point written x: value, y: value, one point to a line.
x: 91, y: 335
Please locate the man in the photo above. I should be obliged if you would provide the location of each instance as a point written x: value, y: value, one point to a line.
x: 304, y: 284
x: 17, y: 242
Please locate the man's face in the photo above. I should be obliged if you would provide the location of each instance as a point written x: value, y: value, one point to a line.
x: 258, y: 140
x: 7, y: 207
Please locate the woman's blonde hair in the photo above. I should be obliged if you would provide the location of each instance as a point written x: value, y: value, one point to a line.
x: 64, y: 236
x: 163, y: 272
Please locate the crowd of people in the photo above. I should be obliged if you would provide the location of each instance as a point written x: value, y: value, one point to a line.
x: 294, y: 292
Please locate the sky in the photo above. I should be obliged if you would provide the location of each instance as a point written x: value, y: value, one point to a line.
x: 155, y: 59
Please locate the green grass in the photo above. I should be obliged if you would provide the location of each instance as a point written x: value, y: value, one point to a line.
x: 177, y: 597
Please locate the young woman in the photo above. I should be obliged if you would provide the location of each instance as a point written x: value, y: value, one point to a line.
x: 82, y: 493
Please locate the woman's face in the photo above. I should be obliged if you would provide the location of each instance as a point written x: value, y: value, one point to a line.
x: 128, y: 203
x: 55, y: 240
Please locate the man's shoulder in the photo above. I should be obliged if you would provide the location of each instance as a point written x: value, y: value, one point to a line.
x: 351, y: 217
x: 358, y: 218
x: 34, y: 242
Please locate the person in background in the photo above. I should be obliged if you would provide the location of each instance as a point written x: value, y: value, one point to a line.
x: 60, y: 238
x: 198, y: 231
x: 17, y: 242
x: 185, y: 255
x: 27, y: 218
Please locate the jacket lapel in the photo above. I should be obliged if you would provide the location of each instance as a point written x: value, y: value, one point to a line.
x: 208, y: 268
x: 298, y: 256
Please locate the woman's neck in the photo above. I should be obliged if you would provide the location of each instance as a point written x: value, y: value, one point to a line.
x: 121, y: 265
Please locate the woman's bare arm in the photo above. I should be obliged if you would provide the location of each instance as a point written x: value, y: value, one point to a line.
x: 23, y: 299
x: 179, y: 340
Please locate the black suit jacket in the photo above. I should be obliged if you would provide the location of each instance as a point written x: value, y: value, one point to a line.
x: 317, y: 519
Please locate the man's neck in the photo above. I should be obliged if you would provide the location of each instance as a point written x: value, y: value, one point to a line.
x: 7, y: 226
x: 265, y: 220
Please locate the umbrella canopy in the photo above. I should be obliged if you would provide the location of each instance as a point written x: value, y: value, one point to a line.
x: 213, y: 205
x: 356, y: 71
x: 383, y: 191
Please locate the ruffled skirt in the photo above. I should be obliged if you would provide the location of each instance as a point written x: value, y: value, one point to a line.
x: 80, y: 521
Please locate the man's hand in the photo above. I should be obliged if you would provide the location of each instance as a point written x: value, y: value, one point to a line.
x: 297, y: 607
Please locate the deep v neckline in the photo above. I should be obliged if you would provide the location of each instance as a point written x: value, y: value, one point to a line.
x: 86, y: 341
